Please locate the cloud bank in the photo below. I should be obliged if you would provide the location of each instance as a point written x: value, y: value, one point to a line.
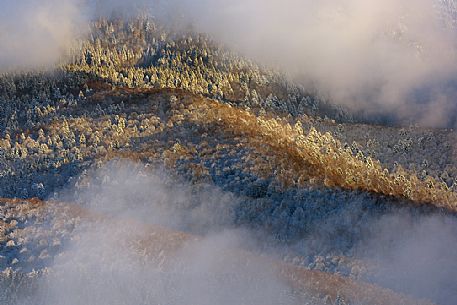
x: 411, y: 253
x: 38, y: 33
x: 131, y: 253
x: 394, y: 57
x: 106, y: 262
x: 414, y: 255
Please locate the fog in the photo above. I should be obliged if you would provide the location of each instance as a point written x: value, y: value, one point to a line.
x: 130, y: 253
x: 377, y: 57
x: 101, y: 268
x: 36, y: 34
x: 395, y: 57
x: 124, y: 188
x: 155, y: 240
x: 415, y: 255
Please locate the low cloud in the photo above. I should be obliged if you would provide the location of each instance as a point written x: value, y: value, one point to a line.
x: 38, y: 34
x: 157, y: 240
x: 120, y: 259
x: 414, y: 255
x: 389, y: 57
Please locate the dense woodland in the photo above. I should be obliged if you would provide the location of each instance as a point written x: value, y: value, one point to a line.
x: 181, y: 103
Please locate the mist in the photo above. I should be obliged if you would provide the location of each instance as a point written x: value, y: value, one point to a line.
x: 103, y: 268
x: 394, y: 58
x: 132, y: 252
x: 389, y: 57
x: 378, y: 57
x: 37, y: 34
x: 150, y: 238
x: 126, y: 189
x: 415, y: 255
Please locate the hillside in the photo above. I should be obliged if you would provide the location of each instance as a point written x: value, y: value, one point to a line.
x: 171, y: 132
